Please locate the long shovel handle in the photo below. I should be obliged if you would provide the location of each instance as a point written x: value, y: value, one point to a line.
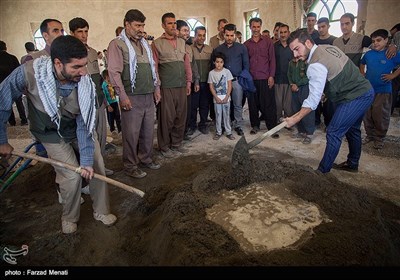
x: 77, y: 170
x: 266, y: 134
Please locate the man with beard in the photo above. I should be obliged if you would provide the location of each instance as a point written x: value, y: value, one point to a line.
x: 202, y: 98
x: 346, y: 87
x: 183, y: 31
x: 134, y: 76
x: 62, y: 118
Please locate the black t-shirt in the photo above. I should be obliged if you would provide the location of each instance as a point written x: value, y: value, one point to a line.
x: 327, y: 41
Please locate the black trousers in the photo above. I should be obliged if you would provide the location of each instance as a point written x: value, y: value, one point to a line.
x: 114, y: 117
x: 263, y: 100
x: 200, y: 102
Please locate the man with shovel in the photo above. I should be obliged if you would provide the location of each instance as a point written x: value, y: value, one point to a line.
x: 61, y: 102
x: 351, y: 92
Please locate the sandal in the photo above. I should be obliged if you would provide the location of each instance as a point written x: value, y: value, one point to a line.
x: 254, y: 130
x: 216, y: 136
x: 230, y: 137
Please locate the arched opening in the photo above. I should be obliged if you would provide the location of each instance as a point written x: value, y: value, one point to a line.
x: 193, y: 23
x: 334, y: 9
x: 247, y: 16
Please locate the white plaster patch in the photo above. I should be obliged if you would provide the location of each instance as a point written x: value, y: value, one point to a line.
x: 264, y: 216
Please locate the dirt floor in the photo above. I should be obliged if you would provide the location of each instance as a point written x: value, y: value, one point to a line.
x: 169, y: 226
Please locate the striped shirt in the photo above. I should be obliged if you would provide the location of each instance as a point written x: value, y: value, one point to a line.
x: 13, y: 87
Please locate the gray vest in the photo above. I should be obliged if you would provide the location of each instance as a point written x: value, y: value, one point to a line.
x: 353, y: 49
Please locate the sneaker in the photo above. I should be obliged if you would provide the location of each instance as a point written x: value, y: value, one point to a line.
x: 168, y: 153
x: 239, y: 131
x: 85, y: 190
x: 137, y: 173
x: 109, y: 172
x: 345, y: 167
x: 367, y: 139
x: 203, y: 130
x: 190, y: 131
x: 61, y: 201
x: 151, y: 165
x: 230, y: 137
x: 217, y: 136
x: 307, y: 140
x: 68, y: 227
x: 108, y: 219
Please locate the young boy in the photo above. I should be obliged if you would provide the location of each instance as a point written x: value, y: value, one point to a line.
x: 299, y: 85
x: 113, y: 113
x: 377, y: 118
x: 220, y: 81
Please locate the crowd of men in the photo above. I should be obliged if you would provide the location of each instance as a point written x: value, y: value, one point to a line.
x: 293, y: 77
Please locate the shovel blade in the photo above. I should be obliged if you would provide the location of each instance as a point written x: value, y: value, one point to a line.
x: 240, y: 155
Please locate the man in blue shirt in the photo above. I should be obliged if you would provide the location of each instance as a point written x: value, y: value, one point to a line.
x: 237, y: 59
x: 61, y: 103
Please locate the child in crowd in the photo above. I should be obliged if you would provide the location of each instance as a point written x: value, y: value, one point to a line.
x: 299, y: 85
x: 379, y: 68
x: 113, y: 113
x: 220, y: 81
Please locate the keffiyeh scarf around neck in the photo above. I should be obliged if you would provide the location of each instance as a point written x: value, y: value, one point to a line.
x: 47, y: 89
x: 133, y: 60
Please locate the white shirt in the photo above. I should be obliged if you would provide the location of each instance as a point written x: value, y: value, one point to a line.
x: 317, y: 74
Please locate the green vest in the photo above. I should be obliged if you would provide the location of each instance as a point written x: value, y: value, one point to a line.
x: 344, y: 81
x: 203, y: 61
x: 144, y: 78
x: 171, y: 67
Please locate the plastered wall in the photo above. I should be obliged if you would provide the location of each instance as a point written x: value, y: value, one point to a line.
x: 18, y: 16
x: 103, y: 16
x: 270, y: 12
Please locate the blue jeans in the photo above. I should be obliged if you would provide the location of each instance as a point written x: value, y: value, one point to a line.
x: 346, y: 121
x: 237, y: 98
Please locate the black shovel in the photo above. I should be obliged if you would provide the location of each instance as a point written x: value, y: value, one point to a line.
x: 240, y: 155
